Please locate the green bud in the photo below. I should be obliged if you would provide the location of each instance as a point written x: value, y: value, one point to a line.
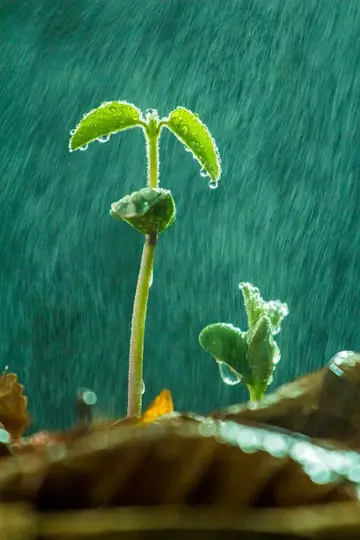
x: 149, y: 211
x: 256, y: 308
x: 263, y: 353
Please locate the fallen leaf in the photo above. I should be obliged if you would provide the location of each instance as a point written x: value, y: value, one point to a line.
x: 13, y: 405
x: 162, y: 405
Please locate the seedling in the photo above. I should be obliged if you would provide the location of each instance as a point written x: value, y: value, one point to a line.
x: 250, y: 356
x: 152, y: 209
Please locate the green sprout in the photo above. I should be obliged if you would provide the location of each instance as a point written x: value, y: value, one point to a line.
x: 152, y: 209
x: 251, y: 356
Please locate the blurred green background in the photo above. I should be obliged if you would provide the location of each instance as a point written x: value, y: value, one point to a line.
x: 278, y: 84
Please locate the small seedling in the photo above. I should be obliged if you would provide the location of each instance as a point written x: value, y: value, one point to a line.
x: 251, y: 356
x: 152, y: 209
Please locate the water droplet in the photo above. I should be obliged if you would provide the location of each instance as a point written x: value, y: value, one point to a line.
x: 104, y: 139
x: 204, y: 173
x: 228, y: 375
x: 341, y: 358
x: 142, y: 388
x: 187, y: 149
x: 151, y: 279
x: 277, y: 354
x: 213, y: 184
x: 83, y: 148
x: 5, y: 437
x: 150, y: 111
x: 90, y: 398
x: 276, y: 444
x: 72, y: 132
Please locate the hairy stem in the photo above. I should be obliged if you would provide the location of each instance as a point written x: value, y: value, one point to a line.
x: 135, y: 380
x: 152, y: 151
x: 138, y: 327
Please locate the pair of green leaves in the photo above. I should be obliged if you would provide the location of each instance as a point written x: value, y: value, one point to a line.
x: 114, y: 116
x: 249, y: 356
x: 151, y: 210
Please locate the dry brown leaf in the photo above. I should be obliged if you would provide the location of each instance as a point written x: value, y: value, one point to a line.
x: 162, y: 405
x: 199, y: 463
x: 324, y: 405
x: 13, y: 405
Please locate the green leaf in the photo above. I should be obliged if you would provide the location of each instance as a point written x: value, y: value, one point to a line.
x: 189, y: 129
x: 227, y: 344
x: 100, y: 123
x: 262, y: 354
x: 149, y: 210
x: 256, y: 308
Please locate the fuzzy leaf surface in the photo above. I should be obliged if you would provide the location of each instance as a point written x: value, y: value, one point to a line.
x: 191, y: 131
x: 109, y: 118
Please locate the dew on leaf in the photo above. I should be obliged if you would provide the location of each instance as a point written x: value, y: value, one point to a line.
x: 187, y: 149
x: 104, y: 139
x: 151, y: 114
x: 228, y: 375
x: 83, y: 148
x: 203, y: 173
x: 213, y: 184
x: 142, y: 387
x: 72, y: 132
x: 277, y: 355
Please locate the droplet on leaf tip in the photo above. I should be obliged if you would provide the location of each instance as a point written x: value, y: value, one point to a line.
x: 213, y: 184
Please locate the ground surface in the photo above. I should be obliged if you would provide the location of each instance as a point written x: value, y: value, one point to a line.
x: 278, y: 85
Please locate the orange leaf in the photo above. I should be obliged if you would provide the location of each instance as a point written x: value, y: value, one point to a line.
x: 13, y: 405
x: 162, y: 404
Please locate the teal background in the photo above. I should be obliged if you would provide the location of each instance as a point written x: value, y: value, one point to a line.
x: 277, y: 82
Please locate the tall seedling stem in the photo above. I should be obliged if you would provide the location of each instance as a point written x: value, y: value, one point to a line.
x: 138, y: 321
